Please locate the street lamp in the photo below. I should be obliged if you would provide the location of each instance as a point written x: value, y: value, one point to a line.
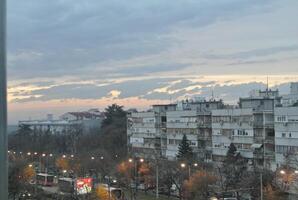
x: 30, y: 165
x: 51, y: 155
x: 282, y: 172
x: 63, y: 156
x: 183, y: 165
x: 92, y: 158
x: 29, y: 154
x: 43, y: 155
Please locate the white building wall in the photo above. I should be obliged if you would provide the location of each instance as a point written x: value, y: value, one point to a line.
x: 286, y: 133
x: 232, y: 126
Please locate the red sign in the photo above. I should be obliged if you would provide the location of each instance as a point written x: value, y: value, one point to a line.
x: 83, y: 185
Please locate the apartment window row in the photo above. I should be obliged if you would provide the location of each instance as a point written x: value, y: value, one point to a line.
x: 286, y: 149
x: 242, y: 146
x: 238, y: 145
x: 182, y: 131
x: 183, y: 120
x: 240, y: 133
x: 284, y: 135
x: 177, y: 142
x: 221, y: 145
x: 231, y: 119
x: 281, y: 118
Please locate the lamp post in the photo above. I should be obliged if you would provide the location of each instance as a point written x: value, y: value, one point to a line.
x: 183, y: 165
x: 135, y: 163
x: 3, y: 105
x: 288, y: 174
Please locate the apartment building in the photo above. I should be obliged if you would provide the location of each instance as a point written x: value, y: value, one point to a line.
x: 286, y: 136
x: 235, y: 126
x: 161, y: 129
x: 263, y: 127
x: 146, y: 131
x: 263, y: 131
x: 86, y: 121
x: 292, y: 98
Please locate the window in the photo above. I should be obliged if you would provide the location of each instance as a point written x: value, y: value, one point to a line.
x: 171, y: 141
x: 283, y: 135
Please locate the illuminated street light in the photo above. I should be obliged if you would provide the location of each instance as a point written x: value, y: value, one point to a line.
x: 182, y: 165
x: 30, y: 165
x: 71, y: 156
x: 8, y: 151
x: 64, y: 171
x: 282, y: 172
x: 196, y: 164
x: 21, y: 152
x: 114, y: 181
x: 92, y: 158
x: 63, y: 156
x: 296, y: 171
x: 35, y: 153
x: 51, y: 155
x: 130, y: 160
x: 43, y: 155
x: 141, y: 160
x: 101, y: 157
x: 28, y: 153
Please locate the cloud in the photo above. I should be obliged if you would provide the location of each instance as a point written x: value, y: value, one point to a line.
x: 61, y: 38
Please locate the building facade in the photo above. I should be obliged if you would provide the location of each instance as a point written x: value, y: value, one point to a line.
x: 286, y: 135
x: 262, y: 128
x: 72, y: 121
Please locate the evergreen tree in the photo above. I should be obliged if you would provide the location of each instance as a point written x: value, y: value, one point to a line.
x: 233, y: 168
x: 185, y: 152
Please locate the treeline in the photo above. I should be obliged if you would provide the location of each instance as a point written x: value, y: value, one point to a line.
x: 109, y: 139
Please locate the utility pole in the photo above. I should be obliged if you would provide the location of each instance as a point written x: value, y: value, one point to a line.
x: 3, y: 105
x: 261, y: 185
x: 157, y: 180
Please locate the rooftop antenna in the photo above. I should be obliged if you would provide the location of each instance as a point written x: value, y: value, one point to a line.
x: 212, y: 95
x: 267, y: 89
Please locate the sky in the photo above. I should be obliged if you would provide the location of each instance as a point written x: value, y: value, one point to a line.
x: 66, y: 55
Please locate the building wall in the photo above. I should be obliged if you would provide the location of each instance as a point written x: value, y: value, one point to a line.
x: 232, y: 126
x: 286, y: 133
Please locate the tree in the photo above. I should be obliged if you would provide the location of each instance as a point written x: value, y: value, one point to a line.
x: 185, y: 152
x: 198, y: 187
x: 114, y: 131
x: 28, y: 174
x: 172, y: 175
x: 114, y: 114
x: 233, y: 168
x: 103, y: 194
x: 62, y: 164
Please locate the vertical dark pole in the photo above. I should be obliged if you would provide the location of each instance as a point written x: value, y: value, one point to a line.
x: 3, y: 105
